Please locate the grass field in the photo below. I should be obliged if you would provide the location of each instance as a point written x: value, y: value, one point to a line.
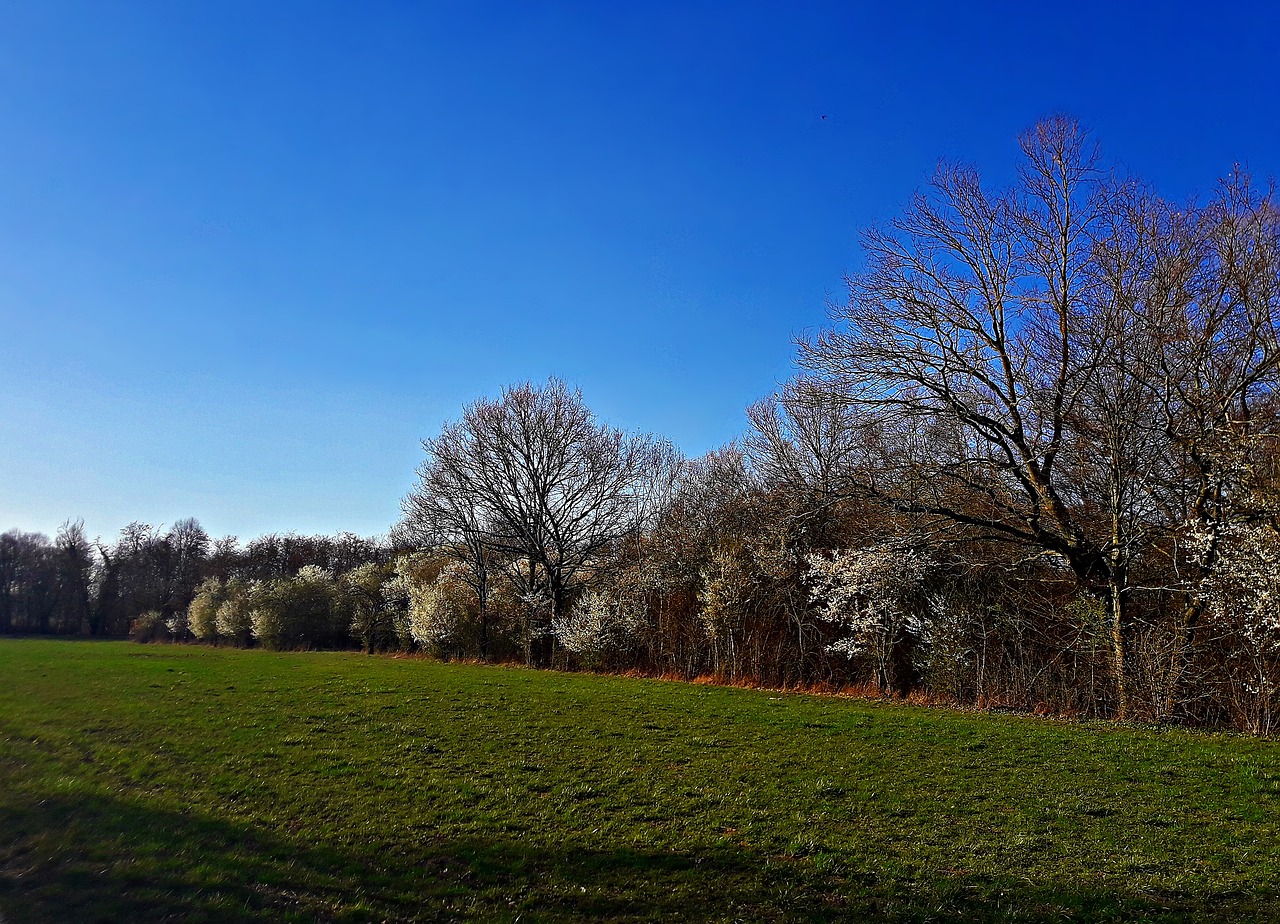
x: 183, y: 783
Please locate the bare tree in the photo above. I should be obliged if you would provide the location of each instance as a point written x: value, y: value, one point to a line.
x: 803, y: 441
x: 534, y: 477
x: 74, y: 555
x: 960, y: 346
x: 1050, y: 365
x: 28, y: 582
x: 443, y: 512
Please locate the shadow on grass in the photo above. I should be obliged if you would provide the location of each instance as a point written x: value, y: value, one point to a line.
x: 87, y: 858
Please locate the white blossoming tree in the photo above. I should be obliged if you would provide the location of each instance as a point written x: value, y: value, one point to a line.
x: 295, y: 612
x: 1242, y: 605
x: 372, y: 619
x: 875, y: 594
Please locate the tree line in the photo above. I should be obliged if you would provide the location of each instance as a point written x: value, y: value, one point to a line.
x: 1031, y: 464
x: 147, y: 578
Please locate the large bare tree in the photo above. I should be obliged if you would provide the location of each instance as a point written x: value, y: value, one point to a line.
x: 1056, y: 364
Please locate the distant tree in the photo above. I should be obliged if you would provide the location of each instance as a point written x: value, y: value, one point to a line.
x: 28, y: 582
x: 804, y: 442
x: 187, y: 548
x: 224, y: 557
x: 347, y: 551
x: 143, y: 571
x: 75, y: 563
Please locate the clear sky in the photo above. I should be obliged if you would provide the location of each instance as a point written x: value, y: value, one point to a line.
x: 251, y: 253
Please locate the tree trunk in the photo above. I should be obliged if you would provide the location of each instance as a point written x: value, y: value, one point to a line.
x: 902, y: 663
x: 1119, y: 646
x: 482, y: 604
x: 541, y: 641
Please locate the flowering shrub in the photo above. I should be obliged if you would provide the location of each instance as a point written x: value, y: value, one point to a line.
x: 295, y: 612
x: 438, y: 610
x: 596, y: 625
x: 875, y: 594
x: 372, y: 616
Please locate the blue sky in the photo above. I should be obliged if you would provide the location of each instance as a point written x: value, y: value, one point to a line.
x: 251, y: 253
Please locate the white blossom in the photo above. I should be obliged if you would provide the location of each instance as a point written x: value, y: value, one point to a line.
x: 598, y: 623
x: 434, y: 614
x: 871, y: 592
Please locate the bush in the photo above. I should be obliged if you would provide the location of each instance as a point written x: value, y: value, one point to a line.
x: 597, y: 626
x: 202, y: 614
x: 149, y: 627
x: 232, y: 618
x: 437, y: 612
x: 297, y: 612
x: 371, y: 615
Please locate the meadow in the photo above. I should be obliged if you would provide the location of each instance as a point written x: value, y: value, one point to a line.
x: 169, y: 782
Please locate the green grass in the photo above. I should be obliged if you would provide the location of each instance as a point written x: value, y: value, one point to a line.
x: 183, y: 783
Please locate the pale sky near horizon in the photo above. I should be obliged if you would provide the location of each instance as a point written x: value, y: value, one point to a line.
x: 251, y: 253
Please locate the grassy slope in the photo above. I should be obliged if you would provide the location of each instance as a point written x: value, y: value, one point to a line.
x: 139, y: 783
